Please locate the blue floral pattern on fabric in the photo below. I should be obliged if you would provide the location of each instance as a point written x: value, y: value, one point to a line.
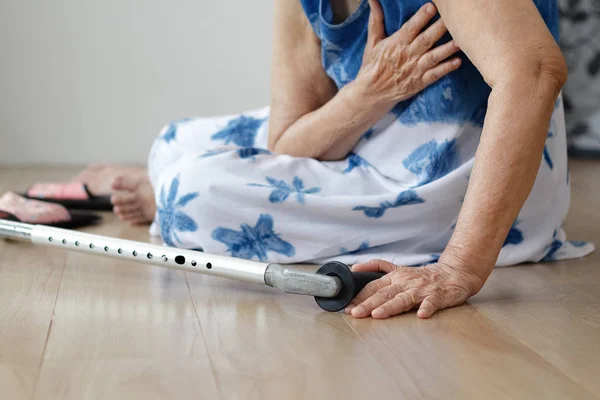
x: 341, y: 71
x: 282, y: 190
x: 255, y: 241
x: 554, y: 247
x: 514, y: 237
x: 171, y: 217
x: 363, y: 246
x: 214, y: 152
x: 444, y: 102
x: 355, y: 161
x: 171, y: 132
x: 244, y: 153
x: 251, y: 152
x: 240, y: 131
x: 547, y: 157
x: 368, y: 134
x: 408, y: 197
x: 432, y: 160
x: 578, y: 243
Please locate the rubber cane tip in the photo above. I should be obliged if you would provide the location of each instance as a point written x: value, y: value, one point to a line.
x: 352, y: 284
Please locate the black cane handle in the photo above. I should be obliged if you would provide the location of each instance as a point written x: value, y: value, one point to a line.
x: 352, y: 284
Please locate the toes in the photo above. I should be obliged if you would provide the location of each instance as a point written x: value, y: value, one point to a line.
x: 125, y: 183
x: 130, y: 216
x: 122, y: 198
x: 127, y: 208
x: 139, y: 221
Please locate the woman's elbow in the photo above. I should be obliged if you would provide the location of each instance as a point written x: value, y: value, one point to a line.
x: 543, y: 69
x: 551, y: 69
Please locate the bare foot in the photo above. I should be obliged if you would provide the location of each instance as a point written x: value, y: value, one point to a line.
x: 99, y: 178
x: 133, y: 199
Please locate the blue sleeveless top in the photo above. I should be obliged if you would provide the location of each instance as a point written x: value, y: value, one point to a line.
x: 458, y: 98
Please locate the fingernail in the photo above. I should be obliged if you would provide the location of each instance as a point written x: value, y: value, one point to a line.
x: 430, y: 8
x: 358, y: 311
x: 378, y: 313
x: 456, y: 62
x: 348, y: 310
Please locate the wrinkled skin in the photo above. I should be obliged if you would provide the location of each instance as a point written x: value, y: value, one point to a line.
x: 430, y: 288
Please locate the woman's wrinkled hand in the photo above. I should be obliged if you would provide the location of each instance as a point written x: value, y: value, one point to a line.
x: 398, y: 67
x: 430, y: 288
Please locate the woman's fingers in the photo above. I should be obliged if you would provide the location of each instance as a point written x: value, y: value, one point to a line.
x: 411, y: 28
x: 372, y: 287
x: 369, y: 290
x: 402, y: 302
x: 436, y: 73
x: 427, y: 39
x: 376, y: 24
x: 141, y: 220
x: 382, y: 296
x: 429, y: 306
x: 375, y: 266
x: 434, y: 287
x: 437, y: 55
x: 130, y: 216
x: 127, y: 208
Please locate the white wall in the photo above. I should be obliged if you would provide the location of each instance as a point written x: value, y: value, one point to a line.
x: 94, y: 81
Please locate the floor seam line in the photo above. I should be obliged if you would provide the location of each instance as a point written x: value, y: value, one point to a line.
x: 43, y: 357
x: 210, y: 361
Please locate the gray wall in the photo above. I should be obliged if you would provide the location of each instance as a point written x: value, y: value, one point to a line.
x: 94, y: 81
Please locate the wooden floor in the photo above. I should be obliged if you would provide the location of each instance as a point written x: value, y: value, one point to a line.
x: 75, y: 327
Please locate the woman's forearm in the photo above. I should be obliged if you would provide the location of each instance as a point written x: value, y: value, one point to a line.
x: 505, y: 168
x: 330, y: 132
x: 393, y: 69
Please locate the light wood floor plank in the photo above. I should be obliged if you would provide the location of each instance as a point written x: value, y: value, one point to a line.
x: 129, y: 331
x: 461, y: 354
x: 111, y: 309
x: 267, y: 345
x: 29, y: 281
x: 122, y: 330
x: 559, y: 322
x: 147, y: 379
x: 554, y: 308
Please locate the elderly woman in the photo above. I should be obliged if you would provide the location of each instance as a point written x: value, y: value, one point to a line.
x: 386, y: 139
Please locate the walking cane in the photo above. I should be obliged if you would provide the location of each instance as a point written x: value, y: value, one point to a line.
x: 333, y: 285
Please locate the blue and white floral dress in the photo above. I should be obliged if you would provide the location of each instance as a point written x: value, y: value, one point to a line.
x: 396, y: 196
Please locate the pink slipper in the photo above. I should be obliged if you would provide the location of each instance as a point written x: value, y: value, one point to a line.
x: 17, y: 208
x: 69, y: 194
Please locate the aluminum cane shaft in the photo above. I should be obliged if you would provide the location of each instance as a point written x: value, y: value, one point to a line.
x: 286, y: 279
